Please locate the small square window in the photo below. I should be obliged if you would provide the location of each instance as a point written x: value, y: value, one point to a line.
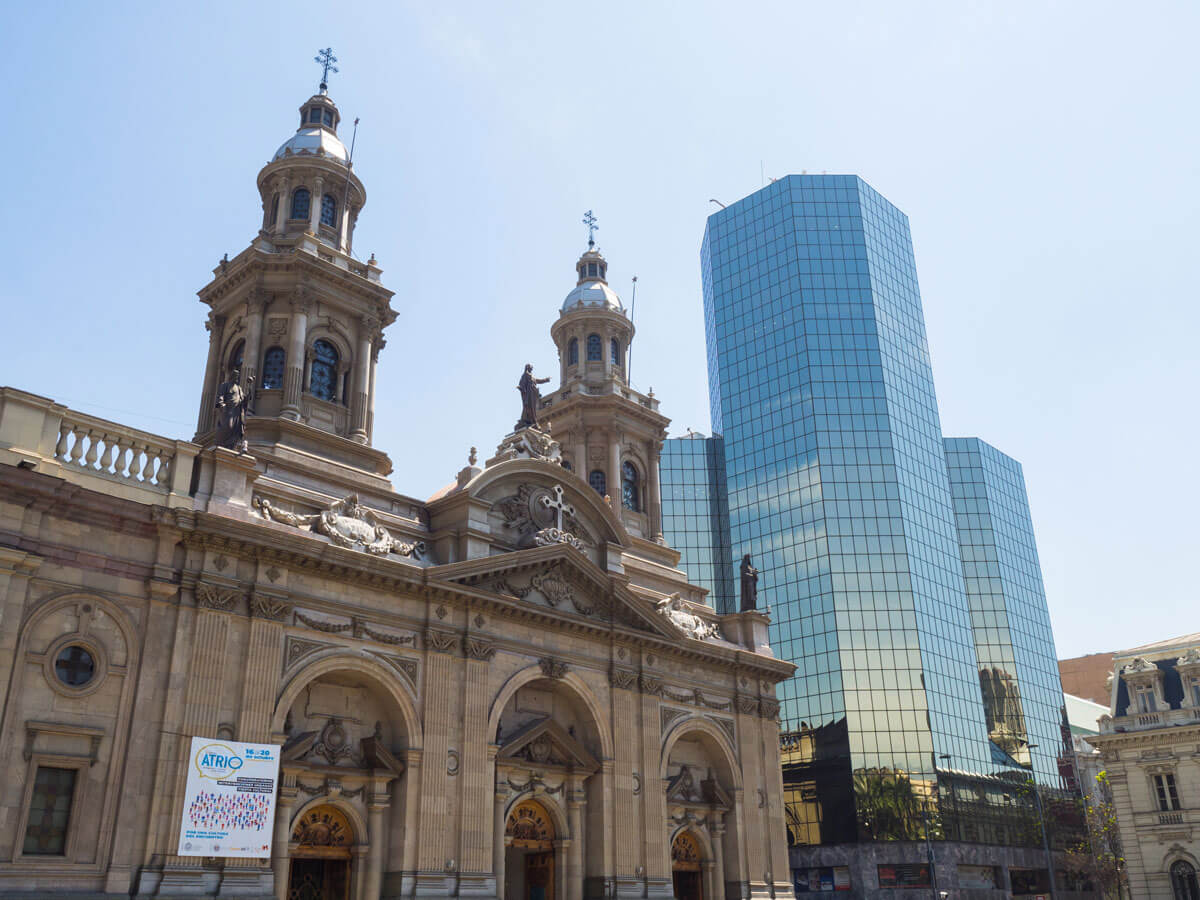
x: 49, y: 812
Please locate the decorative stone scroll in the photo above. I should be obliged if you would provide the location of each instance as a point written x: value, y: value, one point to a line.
x: 440, y: 641
x: 477, y: 648
x: 623, y: 678
x: 269, y: 608
x: 347, y: 523
x: 675, y: 611
x: 209, y: 596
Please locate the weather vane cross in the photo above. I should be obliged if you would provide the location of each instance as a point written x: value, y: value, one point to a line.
x: 590, y: 221
x: 326, y: 60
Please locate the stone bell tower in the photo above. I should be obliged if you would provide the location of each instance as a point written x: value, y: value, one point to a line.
x: 297, y: 312
x: 611, y: 435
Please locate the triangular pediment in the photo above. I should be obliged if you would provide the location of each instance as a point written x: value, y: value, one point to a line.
x: 689, y: 788
x: 545, y: 743
x: 560, y: 578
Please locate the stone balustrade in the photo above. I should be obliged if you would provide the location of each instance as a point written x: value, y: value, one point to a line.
x: 1135, y: 721
x: 37, y: 433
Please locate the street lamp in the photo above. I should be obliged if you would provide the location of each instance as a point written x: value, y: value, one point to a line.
x: 1042, y: 818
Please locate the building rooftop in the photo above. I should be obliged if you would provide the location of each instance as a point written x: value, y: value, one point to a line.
x: 1187, y: 640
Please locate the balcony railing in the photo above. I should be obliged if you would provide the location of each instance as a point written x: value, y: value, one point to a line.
x: 1136, y: 721
x: 39, y: 434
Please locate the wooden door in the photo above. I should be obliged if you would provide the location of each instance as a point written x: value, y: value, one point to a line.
x: 539, y: 876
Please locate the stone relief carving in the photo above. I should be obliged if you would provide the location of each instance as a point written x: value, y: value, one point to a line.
x: 669, y: 715
x: 552, y: 668
x: 551, y: 585
x: 347, y: 523
x: 675, y: 611
x: 533, y: 783
x: 623, y: 678
x: 480, y: 649
x: 1140, y: 664
x: 747, y: 706
x: 406, y: 667
x: 333, y: 744
x: 529, y: 443
x: 535, y: 510
x: 297, y: 649
x: 440, y: 641
x: 269, y: 608
x: 210, y: 596
x: 321, y: 625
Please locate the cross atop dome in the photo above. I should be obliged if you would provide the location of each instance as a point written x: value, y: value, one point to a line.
x: 590, y: 221
x: 325, y: 59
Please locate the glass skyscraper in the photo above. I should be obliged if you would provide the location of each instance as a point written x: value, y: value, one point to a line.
x: 696, y: 514
x: 912, y: 711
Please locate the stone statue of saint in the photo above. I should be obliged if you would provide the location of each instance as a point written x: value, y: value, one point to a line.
x: 749, y: 584
x: 231, y: 406
x: 530, y: 398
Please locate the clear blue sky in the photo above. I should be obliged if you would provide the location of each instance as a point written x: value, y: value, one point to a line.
x: 1046, y: 155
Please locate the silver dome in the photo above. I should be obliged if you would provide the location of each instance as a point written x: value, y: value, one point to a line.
x: 593, y: 294
x: 309, y: 140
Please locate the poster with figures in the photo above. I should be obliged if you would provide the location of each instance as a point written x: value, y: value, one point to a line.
x: 229, y: 804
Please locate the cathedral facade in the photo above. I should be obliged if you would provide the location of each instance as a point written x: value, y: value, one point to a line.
x: 507, y: 690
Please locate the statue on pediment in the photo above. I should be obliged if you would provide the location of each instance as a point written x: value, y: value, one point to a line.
x: 347, y: 523
x: 677, y: 613
x: 231, y: 407
x: 530, y: 398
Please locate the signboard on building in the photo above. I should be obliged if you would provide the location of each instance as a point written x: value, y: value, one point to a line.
x: 978, y: 877
x: 229, y: 802
x: 821, y: 878
x: 904, y: 875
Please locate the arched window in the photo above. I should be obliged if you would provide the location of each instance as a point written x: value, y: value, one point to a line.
x: 594, y: 348
x: 329, y: 211
x: 274, y: 213
x: 614, y: 350
x: 1183, y: 881
x: 273, y: 362
x: 300, y: 203
x: 573, y: 352
x: 235, y: 358
x: 597, y: 480
x: 322, y: 378
x: 629, y: 486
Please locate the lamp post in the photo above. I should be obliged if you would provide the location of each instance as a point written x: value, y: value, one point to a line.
x: 933, y: 885
x: 1042, y: 818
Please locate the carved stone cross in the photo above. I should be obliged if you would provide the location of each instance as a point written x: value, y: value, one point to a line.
x: 559, y: 505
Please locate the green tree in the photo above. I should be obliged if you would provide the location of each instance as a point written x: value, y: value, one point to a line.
x: 1099, y: 857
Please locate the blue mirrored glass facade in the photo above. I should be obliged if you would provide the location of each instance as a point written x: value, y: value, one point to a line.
x: 695, y: 515
x: 1018, y: 666
x: 838, y: 487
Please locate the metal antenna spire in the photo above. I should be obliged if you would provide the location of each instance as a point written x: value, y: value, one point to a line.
x: 590, y: 221
x: 326, y: 60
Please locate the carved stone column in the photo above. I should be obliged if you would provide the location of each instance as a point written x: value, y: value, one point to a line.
x: 653, y: 501
x: 367, y: 327
x: 283, y: 206
x: 212, y: 377
x: 378, y: 849
x: 293, y: 378
x: 252, y: 353
x: 498, y: 825
x: 575, y: 804
x: 376, y: 346
x: 718, y: 844
x: 283, y: 833
x: 614, y: 470
x: 581, y: 460
x: 314, y: 207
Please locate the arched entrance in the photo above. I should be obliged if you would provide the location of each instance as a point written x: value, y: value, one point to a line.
x: 529, y: 839
x: 320, y: 859
x: 685, y: 867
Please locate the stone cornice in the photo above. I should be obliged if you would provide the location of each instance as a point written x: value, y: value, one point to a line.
x: 1171, y: 734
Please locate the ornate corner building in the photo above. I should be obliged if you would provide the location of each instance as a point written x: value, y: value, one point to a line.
x: 1150, y: 749
x: 510, y: 690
